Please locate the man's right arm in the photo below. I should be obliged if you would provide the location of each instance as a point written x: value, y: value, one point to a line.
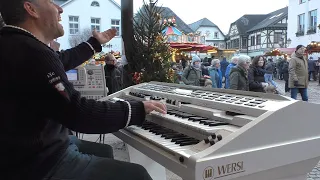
x: 292, y: 70
x: 76, y: 113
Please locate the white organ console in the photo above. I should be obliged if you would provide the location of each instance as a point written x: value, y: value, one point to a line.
x: 223, y: 134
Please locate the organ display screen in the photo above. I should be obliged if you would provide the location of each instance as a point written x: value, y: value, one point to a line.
x: 72, y: 75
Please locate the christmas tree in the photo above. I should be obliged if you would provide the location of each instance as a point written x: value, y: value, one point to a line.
x: 152, y: 54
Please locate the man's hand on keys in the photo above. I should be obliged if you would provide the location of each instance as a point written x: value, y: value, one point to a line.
x: 157, y: 106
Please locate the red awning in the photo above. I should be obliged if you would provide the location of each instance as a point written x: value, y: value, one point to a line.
x: 191, y: 46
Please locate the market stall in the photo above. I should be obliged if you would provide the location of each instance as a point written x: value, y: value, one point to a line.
x: 313, y: 47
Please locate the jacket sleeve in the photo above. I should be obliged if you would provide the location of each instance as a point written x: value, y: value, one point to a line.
x: 253, y: 84
x: 234, y: 80
x: 65, y: 105
x: 269, y: 68
x: 74, y: 57
x: 184, y: 76
x: 213, y: 78
x: 228, y: 71
x: 292, y: 70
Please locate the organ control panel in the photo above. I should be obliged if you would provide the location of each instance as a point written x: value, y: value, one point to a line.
x: 225, y: 134
x: 89, y: 81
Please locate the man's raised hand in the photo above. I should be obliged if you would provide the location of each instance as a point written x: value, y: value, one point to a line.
x: 104, y: 37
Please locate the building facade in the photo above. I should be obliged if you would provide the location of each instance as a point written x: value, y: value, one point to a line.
x: 256, y: 34
x: 213, y: 34
x: 303, y: 21
x: 80, y: 17
x: 237, y: 37
x: 269, y: 34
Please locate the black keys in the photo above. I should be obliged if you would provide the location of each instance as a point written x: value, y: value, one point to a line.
x: 177, y: 138
x: 213, y: 123
x: 197, y: 119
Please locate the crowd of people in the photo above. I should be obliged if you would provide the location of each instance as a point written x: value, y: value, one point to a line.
x: 255, y: 74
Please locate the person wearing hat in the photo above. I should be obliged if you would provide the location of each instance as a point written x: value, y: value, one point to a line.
x: 192, y: 74
x: 298, y: 74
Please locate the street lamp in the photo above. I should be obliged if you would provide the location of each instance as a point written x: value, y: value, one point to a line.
x: 289, y: 42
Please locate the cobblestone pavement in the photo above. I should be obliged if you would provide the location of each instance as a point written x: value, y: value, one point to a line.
x: 120, y: 151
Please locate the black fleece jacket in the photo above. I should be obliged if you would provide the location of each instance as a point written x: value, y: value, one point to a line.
x: 39, y: 105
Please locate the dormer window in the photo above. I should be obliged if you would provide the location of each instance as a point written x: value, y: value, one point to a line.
x: 95, y: 4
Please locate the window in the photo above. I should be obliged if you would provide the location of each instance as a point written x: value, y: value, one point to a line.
x: 277, y: 37
x: 244, y: 43
x: 313, y: 20
x: 302, y: 1
x: 301, y: 23
x: 253, y: 38
x: 216, y: 35
x: 259, y: 39
x: 95, y: 4
x: 116, y: 25
x: 73, y: 24
x: 236, y: 43
x: 95, y: 24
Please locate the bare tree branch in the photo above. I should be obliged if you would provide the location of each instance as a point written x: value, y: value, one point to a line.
x: 82, y: 36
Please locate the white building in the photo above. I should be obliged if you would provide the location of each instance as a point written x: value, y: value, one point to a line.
x: 81, y: 16
x: 213, y: 34
x: 303, y: 20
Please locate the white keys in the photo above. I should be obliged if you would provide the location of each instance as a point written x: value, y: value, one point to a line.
x: 190, y: 124
x: 160, y: 141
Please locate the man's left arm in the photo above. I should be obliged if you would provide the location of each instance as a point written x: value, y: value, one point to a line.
x: 74, y: 57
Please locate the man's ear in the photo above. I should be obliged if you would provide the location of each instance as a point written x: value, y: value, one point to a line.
x: 31, y: 9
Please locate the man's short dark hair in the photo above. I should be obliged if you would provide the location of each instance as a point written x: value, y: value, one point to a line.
x: 13, y: 12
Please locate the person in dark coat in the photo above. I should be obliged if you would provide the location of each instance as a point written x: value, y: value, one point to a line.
x: 285, y: 70
x: 224, y: 64
x: 312, y: 69
x: 268, y: 73
x: 256, y: 75
x: 112, y: 75
x: 239, y: 74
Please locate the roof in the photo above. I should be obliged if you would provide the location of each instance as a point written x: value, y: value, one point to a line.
x: 202, y: 23
x: 248, y: 21
x: 272, y: 20
x: 181, y: 25
x: 65, y: 2
x: 60, y: 2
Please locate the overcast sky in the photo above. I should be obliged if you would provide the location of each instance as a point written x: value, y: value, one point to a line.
x: 220, y: 12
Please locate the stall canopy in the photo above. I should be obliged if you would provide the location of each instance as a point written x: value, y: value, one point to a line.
x: 313, y: 47
x: 192, y: 47
x: 288, y: 51
x: 280, y: 52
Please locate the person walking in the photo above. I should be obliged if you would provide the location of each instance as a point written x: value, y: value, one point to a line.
x: 298, y: 74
